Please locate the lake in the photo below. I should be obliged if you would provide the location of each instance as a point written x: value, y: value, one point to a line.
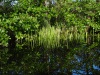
x: 76, y: 58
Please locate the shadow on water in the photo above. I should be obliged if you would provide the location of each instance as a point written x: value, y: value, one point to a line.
x: 81, y: 59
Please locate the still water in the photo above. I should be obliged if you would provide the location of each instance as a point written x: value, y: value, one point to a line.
x: 77, y: 59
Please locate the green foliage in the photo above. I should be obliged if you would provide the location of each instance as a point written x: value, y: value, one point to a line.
x: 27, y: 17
x: 36, y: 26
x: 3, y: 37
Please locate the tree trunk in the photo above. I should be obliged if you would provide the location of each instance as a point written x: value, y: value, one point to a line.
x: 97, y: 0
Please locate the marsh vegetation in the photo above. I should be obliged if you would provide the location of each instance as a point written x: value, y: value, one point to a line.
x: 61, y: 38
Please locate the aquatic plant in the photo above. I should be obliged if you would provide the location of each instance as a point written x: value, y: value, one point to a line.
x: 52, y: 37
x: 49, y: 37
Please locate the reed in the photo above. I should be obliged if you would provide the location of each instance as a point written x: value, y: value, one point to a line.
x: 73, y: 34
x: 49, y: 37
x: 52, y: 37
x: 33, y: 40
x: 98, y: 37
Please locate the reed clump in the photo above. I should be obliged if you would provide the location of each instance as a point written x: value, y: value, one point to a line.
x: 52, y: 37
x: 73, y: 33
x: 49, y: 37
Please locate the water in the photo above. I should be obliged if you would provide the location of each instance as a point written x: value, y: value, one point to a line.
x: 81, y: 59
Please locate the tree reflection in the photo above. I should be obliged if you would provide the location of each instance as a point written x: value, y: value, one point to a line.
x: 81, y: 58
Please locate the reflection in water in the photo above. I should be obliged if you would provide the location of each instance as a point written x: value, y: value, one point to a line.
x: 79, y: 60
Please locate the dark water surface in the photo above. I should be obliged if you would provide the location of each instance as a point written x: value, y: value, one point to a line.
x: 78, y: 59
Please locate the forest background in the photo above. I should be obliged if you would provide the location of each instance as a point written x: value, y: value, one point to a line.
x: 44, y: 25
x: 23, y: 17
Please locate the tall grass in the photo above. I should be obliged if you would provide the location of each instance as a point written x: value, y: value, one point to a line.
x: 49, y: 37
x: 52, y: 37
x: 73, y: 34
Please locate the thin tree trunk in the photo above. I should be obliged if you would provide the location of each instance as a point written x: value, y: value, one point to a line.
x: 97, y: 0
